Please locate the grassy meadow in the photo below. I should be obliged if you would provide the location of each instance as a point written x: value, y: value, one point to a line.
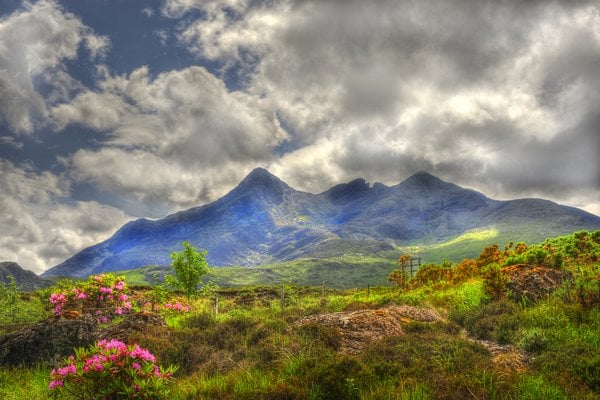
x: 254, y: 348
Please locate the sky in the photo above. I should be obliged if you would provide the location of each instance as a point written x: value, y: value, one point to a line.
x: 112, y: 110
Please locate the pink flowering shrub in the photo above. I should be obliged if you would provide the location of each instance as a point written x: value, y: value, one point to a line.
x: 173, y: 307
x: 111, y: 370
x: 103, y: 296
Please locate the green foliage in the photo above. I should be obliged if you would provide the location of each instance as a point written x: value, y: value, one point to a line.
x: 494, y: 282
x: 399, y: 277
x: 189, y: 266
x: 18, y: 308
x: 433, y: 274
x: 8, y: 296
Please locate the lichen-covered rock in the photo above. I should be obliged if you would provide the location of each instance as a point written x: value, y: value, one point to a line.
x: 47, y: 341
x: 52, y: 340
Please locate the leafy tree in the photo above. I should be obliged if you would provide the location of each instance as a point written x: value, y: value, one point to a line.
x: 189, y: 266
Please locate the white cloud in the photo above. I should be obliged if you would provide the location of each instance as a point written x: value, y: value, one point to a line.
x: 35, y: 42
x: 42, y: 226
x: 450, y: 86
x: 182, y: 125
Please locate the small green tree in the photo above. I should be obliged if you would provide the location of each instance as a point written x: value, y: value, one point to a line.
x: 189, y: 266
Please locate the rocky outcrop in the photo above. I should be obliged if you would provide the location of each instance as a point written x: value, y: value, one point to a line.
x: 358, y: 328
x: 47, y: 341
x: 52, y: 340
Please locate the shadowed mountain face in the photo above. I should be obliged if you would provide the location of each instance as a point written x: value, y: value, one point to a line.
x: 264, y: 220
x: 25, y: 280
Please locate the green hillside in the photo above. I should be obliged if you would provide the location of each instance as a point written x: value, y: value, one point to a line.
x: 521, y: 322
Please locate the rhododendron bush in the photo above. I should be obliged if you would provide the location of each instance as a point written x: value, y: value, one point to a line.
x: 111, y: 370
x: 103, y: 295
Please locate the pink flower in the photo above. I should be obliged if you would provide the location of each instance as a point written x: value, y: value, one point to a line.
x: 113, y: 345
x: 55, y: 384
x: 127, y: 305
x: 142, y: 354
x: 64, y: 371
x: 136, y: 365
x: 82, y: 296
x: 123, y: 297
x: 105, y: 290
x: 119, y: 311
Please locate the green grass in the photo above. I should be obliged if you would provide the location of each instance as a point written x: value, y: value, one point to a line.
x: 344, y: 272
x: 24, y: 383
x: 253, y: 349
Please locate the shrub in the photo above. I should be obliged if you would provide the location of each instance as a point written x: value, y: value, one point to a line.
x: 430, y: 274
x: 494, y: 282
x: 111, y: 370
x: 490, y: 255
x: 465, y: 269
x: 102, y: 295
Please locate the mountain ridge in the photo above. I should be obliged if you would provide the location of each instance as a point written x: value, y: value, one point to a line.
x: 264, y: 220
x: 25, y: 280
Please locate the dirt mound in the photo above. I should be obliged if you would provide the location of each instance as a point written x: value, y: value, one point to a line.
x: 532, y: 282
x: 358, y: 328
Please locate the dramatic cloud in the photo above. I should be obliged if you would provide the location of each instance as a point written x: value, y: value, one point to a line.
x: 499, y: 96
x: 42, y: 226
x: 185, y: 126
x: 484, y: 93
x: 34, y: 44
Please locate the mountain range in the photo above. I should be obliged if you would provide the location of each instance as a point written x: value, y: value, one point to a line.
x: 264, y: 220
